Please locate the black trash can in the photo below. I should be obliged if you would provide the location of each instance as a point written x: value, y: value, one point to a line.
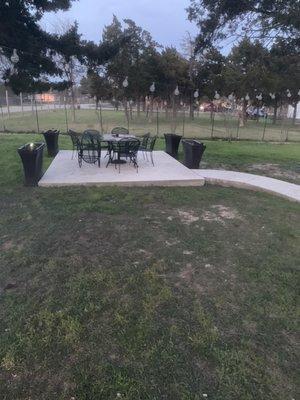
x: 51, y: 138
x: 32, y: 158
x: 172, y: 144
x: 193, y: 151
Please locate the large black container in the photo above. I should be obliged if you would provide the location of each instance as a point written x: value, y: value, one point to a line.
x: 51, y: 138
x: 172, y: 144
x: 32, y: 158
x: 193, y: 151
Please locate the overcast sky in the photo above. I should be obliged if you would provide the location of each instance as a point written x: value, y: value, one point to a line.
x: 166, y: 20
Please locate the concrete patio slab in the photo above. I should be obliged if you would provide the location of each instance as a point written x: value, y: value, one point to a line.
x: 64, y: 171
x: 288, y: 190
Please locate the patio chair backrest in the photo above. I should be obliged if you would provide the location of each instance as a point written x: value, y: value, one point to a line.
x: 75, y: 137
x: 119, y: 130
x: 133, y: 146
x: 145, y: 139
x: 90, y: 147
x: 127, y: 147
x: 151, y: 143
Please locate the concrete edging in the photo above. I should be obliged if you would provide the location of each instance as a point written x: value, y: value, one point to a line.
x: 243, y: 180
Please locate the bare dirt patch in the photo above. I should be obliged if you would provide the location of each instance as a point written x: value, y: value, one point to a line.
x: 187, y: 273
x: 9, y: 245
x: 220, y: 213
x: 172, y: 242
x: 187, y: 217
x: 274, y: 170
x: 145, y: 253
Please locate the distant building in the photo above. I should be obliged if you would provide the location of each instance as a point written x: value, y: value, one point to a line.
x: 46, y: 97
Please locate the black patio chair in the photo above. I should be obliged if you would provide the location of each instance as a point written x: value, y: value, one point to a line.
x: 124, y: 148
x: 144, y: 142
x: 89, y: 149
x: 106, y: 146
x: 150, y: 147
x: 119, y: 130
x: 75, y: 138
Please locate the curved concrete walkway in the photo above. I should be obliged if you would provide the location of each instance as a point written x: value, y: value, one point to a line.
x: 288, y: 190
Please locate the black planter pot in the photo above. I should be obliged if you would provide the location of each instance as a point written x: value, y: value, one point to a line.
x: 32, y: 158
x: 172, y: 144
x: 193, y: 151
x: 51, y: 138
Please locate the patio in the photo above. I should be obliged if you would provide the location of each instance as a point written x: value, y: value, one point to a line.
x: 64, y: 171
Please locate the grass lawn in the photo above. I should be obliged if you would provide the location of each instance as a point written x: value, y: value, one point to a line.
x: 201, y: 126
x: 279, y: 161
x: 147, y: 293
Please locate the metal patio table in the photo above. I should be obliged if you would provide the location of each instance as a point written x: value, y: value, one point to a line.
x: 109, y: 138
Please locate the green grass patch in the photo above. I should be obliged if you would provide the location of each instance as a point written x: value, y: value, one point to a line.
x: 223, y: 126
x: 275, y: 160
x: 146, y: 293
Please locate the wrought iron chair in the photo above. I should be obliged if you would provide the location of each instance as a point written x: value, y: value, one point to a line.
x: 119, y: 130
x: 144, y: 143
x: 124, y: 148
x: 89, y: 148
x: 150, y: 147
x: 75, y: 138
x: 106, y: 146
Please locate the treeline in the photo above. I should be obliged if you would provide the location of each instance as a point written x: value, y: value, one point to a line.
x: 128, y: 65
x: 250, y: 74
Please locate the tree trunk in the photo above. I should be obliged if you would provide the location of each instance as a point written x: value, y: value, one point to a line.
x: 21, y: 101
x: 295, y: 113
x: 243, y: 116
x: 126, y: 111
x: 192, y: 107
x: 7, y: 103
x: 275, y: 112
x: 72, y: 90
x: 73, y: 103
x: 151, y: 109
x: 138, y: 105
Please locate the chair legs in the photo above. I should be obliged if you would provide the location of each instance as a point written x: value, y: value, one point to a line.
x: 151, y: 155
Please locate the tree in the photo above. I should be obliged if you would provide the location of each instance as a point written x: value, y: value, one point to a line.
x: 188, y: 46
x: 247, y: 72
x: 96, y: 86
x: 209, y: 73
x: 136, y: 60
x: 37, y: 69
x: 20, y: 30
x: 70, y: 65
x: 284, y: 66
x: 260, y: 19
x: 173, y: 70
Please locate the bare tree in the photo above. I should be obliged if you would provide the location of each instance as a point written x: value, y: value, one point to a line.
x: 72, y: 68
x: 188, y: 45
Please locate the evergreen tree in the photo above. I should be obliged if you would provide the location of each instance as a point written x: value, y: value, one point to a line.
x: 260, y: 19
x: 37, y: 68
